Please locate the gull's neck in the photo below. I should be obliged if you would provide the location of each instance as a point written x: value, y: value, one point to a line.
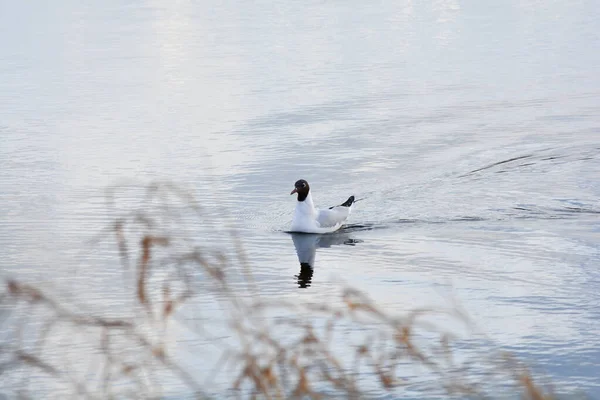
x: 307, y: 206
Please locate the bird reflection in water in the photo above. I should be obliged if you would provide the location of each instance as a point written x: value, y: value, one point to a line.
x: 306, y: 245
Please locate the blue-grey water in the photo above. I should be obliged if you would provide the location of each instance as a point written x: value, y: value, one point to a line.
x: 470, y: 130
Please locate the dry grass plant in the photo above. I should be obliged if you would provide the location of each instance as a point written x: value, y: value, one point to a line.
x: 282, y: 350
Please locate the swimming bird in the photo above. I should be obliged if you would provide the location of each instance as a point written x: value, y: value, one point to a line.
x: 309, y: 219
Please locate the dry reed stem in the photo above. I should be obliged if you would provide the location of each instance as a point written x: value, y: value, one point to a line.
x: 147, y: 243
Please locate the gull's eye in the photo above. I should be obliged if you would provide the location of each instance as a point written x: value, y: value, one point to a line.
x: 303, y: 184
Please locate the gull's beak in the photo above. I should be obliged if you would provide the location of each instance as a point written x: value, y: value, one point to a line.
x: 294, y: 191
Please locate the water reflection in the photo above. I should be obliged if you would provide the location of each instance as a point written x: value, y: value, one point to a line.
x: 306, y: 245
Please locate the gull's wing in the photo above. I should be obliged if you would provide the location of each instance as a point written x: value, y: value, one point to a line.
x: 336, y: 215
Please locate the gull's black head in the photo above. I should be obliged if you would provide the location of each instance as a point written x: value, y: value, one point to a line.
x: 301, y: 187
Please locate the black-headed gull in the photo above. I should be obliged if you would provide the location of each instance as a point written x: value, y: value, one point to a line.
x: 309, y: 219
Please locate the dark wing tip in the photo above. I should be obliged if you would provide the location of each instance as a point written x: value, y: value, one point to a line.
x: 348, y: 202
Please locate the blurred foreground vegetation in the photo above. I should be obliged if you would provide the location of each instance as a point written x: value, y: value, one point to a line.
x: 348, y: 347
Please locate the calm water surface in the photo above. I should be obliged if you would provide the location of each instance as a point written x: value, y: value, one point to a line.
x: 470, y: 129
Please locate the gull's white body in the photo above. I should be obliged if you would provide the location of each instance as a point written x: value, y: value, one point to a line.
x: 309, y: 219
